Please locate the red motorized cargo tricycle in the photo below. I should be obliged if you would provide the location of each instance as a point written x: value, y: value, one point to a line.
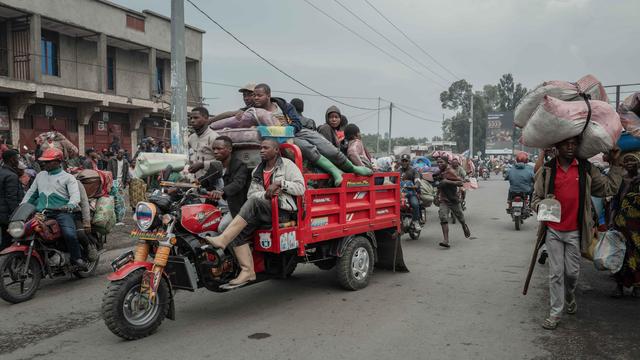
x: 351, y: 228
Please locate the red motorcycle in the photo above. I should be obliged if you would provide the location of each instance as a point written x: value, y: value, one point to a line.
x: 39, y: 251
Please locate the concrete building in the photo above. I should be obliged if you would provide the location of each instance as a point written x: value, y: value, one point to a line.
x: 91, y: 69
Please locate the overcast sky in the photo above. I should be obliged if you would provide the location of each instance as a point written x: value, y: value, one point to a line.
x: 476, y: 40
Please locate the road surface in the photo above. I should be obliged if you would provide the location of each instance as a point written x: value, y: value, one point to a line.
x: 461, y: 303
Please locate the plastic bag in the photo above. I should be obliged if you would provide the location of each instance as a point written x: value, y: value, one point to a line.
x: 550, y: 210
x: 105, y: 217
x: 609, y: 252
x: 472, y: 184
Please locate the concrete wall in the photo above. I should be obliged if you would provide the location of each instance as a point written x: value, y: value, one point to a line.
x: 132, y: 75
x: 111, y: 20
x: 193, y: 87
x: 78, y: 66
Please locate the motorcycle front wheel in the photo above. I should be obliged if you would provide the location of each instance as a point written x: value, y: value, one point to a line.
x: 17, y: 286
x: 127, y: 314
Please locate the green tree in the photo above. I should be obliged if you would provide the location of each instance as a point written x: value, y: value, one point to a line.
x: 509, y: 93
x: 456, y: 128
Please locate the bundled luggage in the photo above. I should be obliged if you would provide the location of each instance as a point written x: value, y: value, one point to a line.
x: 96, y: 183
x: 629, y: 111
x: 561, y: 90
x: 558, y: 110
x: 250, y: 118
x: 104, y: 218
x: 148, y: 164
x: 58, y: 141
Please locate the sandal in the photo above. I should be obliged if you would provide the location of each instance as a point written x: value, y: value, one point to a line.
x: 551, y: 323
x: 444, y: 245
x: 467, y: 232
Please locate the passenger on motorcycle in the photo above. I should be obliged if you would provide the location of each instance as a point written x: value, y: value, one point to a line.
x: 230, y: 185
x: 274, y: 176
x: 58, y: 191
x: 520, y: 177
x: 407, y: 173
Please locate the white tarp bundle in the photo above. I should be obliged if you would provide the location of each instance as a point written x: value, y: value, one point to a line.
x: 152, y: 163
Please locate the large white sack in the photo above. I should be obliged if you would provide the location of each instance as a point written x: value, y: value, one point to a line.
x: 152, y: 163
x: 555, y: 120
x: 562, y: 90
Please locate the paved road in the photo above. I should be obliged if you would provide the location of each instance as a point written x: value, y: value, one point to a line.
x: 461, y: 303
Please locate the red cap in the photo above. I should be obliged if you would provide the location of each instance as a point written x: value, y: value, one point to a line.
x: 51, y: 154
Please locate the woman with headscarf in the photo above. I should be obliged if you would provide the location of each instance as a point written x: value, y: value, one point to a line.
x: 626, y: 219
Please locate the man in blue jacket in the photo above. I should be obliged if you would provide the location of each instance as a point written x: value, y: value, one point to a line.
x: 521, y: 177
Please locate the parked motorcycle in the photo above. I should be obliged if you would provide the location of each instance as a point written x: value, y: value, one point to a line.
x: 39, y: 251
x: 406, y: 216
x: 519, y: 209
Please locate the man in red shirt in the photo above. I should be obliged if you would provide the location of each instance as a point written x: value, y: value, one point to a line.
x: 571, y: 181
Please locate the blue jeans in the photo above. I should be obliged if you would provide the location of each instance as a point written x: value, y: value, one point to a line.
x: 67, y: 225
x: 415, y: 206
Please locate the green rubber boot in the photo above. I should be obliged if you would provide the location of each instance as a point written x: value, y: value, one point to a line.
x: 326, y: 165
x: 360, y: 170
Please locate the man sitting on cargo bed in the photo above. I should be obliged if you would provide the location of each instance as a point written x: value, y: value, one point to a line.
x: 274, y: 176
x: 314, y: 147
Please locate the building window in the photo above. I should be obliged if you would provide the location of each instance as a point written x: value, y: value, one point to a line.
x: 111, y: 68
x: 49, y: 44
x: 160, y: 78
x: 135, y: 23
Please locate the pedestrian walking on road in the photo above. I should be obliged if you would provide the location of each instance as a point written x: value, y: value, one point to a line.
x: 626, y: 219
x: 11, y: 193
x: 571, y: 182
x: 448, y: 200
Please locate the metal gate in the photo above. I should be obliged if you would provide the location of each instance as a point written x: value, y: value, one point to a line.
x: 21, y: 54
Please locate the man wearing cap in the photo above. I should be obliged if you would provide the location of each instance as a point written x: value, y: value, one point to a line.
x: 572, y: 182
x: 11, y: 192
x: 58, y: 192
x: 247, y: 97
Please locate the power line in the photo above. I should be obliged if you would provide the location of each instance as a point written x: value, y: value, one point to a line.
x: 369, y: 42
x: 415, y: 116
x: 389, y: 41
x: 272, y: 64
x: 406, y: 106
x: 410, y: 40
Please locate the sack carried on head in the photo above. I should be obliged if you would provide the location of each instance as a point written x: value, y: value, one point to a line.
x: 562, y: 90
x: 555, y: 120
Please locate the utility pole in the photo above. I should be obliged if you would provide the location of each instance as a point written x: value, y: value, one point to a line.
x: 471, y: 129
x: 390, y: 121
x: 378, y: 138
x: 179, y: 126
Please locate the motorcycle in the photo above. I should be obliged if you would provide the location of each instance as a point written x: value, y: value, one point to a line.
x: 39, y: 251
x: 519, y: 209
x: 485, y: 173
x: 406, y: 216
x: 171, y: 229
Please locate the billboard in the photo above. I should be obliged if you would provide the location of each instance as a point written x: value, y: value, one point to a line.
x: 499, y: 133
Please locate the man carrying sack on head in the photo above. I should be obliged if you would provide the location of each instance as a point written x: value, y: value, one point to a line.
x: 571, y: 182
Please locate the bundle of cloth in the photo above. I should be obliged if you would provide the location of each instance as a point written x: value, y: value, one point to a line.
x: 249, y: 118
x: 629, y: 111
x: 558, y: 110
x: 58, y: 141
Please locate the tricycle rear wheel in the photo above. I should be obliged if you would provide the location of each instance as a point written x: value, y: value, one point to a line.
x: 355, y: 266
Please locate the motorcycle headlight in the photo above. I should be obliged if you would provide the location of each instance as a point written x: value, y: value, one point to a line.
x: 16, y: 229
x: 146, y: 214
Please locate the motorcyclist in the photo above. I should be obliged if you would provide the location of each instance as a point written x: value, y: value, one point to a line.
x: 58, y: 191
x: 407, y: 173
x: 520, y: 177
